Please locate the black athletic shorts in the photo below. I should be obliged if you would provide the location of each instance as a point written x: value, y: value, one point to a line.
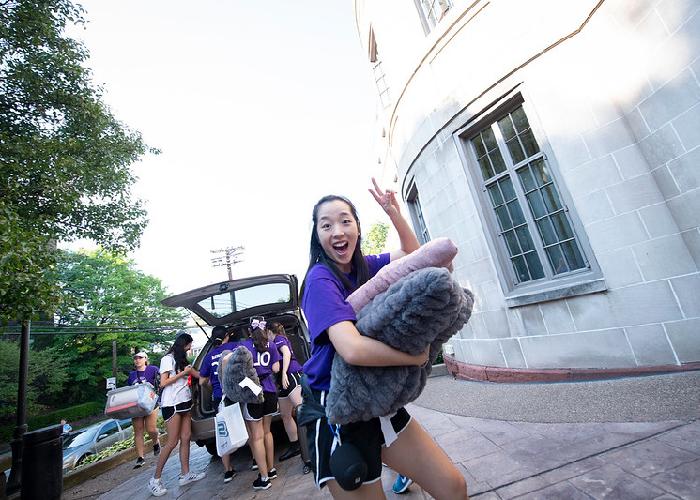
x: 256, y: 411
x: 293, y: 379
x: 169, y: 411
x: 366, y: 436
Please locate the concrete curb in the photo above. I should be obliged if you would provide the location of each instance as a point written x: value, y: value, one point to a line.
x: 90, y: 471
x: 438, y: 371
x: 497, y: 374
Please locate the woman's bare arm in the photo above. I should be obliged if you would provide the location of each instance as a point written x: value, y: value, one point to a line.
x: 358, y: 350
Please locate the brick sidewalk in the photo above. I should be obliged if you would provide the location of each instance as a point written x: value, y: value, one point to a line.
x: 501, y: 460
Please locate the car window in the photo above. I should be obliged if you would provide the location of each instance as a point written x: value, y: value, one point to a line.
x: 228, y: 302
x: 82, y: 438
x: 125, y: 423
x: 110, y: 428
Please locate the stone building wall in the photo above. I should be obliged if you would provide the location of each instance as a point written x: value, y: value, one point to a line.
x: 611, y: 90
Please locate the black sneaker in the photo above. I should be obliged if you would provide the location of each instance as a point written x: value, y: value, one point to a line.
x: 259, y: 484
x: 293, y: 450
x: 307, y: 468
x: 139, y: 463
x: 156, y: 449
x: 254, y: 466
x: 272, y: 474
x: 229, y: 475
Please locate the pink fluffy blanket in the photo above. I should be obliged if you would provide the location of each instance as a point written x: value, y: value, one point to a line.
x: 435, y: 253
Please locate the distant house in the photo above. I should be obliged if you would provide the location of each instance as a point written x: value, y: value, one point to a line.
x: 558, y: 144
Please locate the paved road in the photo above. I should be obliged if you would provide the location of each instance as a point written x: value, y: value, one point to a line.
x: 501, y: 459
x: 638, y: 399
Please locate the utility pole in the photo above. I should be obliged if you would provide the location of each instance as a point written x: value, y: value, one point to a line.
x: 114, y: 359
x: 227, y: 257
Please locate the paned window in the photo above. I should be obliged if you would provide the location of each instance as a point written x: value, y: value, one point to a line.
x: 432, y: 11
x: 533, y: 224
x: 378, y: 71
x: 417, y: 215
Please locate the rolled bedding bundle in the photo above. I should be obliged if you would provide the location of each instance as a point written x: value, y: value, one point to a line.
x: 238, y: 376
x: 436, y: 253
x: 424, y: 308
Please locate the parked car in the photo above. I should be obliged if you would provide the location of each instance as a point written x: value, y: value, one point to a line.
x: 232, y: 304
x: 85, y: 442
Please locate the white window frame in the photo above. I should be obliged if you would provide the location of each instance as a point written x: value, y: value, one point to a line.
x: 431, y: 12
x: 378, y: 71
x: 416, y: 211
x: 551, y: 287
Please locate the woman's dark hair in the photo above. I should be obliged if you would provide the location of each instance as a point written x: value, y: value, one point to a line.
x: 238, y: 334
x: 218, y: 334
x: 318, y: 256
x: 278, y: 329
x: 178, y: 350
x: 258, y: 334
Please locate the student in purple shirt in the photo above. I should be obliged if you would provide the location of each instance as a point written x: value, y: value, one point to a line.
x: 336, y: 268
x: 258, y: 416
x: 209, y: 374
x: 288, y: 388
x: 144, y: 373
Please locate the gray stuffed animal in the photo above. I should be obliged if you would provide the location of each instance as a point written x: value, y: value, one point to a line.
x: 426, y: 307
x: 234, y: 367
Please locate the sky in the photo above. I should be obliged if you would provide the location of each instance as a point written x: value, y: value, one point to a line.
x: 258, y: 108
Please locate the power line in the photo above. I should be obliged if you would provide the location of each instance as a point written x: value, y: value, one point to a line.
x: 228, y: 257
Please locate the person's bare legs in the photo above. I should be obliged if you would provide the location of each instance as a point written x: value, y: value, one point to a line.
x: 138, y: 424
x: 185, y: 435
x: 256, y: 441
x: 286, y: 406
x: 173, y: 427
x: 151, y: 427
x: 269, y: 443
x: 432, y: 470
x: 226, y: 460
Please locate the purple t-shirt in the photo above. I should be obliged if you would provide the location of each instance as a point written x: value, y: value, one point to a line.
x: 263, y: 363
x: 324, y: 304
x: 149, y: 374
x: 294, y: 365
x: 210, y: 367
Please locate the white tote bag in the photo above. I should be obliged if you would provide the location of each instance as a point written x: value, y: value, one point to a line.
x: 231, y: 432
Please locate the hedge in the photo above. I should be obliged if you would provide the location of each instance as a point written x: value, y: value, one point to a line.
x: 71, y: 414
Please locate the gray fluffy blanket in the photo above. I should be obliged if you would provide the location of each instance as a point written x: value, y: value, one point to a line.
x: 234, y: 367
x: 427, y: 307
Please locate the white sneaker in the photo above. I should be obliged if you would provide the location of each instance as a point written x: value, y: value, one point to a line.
x: 156, y: 487
x: 191, y: 477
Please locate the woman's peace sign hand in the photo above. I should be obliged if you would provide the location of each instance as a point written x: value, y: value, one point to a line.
x: 385, y: 198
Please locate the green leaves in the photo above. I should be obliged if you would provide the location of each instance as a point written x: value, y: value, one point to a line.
x: 64, y: 158
x: 106, y: 299
x: 375, y: 240
x: 47, y: 376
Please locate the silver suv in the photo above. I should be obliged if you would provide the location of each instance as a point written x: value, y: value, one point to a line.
x: 232, y: 304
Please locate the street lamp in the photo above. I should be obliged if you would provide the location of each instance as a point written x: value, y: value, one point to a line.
x: 14, y: 483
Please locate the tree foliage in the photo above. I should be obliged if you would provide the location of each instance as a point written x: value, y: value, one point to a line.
x: 64, y: 158
x: 48, y: 373
x: 374, y: 242
x: 106, y: 300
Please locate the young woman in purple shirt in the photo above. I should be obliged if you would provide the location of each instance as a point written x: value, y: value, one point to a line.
x: 336, y: 268
x: 258, y: 416
x: 209, y: 374
x: 288, y: 388
x: 143, y: 373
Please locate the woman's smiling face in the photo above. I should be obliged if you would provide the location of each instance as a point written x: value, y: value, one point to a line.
x: 337, y: 232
